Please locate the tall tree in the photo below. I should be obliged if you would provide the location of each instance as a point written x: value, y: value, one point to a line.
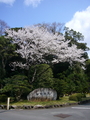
x: 7, y: 51
x: 72, y: 35
x: 78, y: 78
x: 76, y: 38
x: 37, y: 45
x: 43, y: 76
x: 87, y: 70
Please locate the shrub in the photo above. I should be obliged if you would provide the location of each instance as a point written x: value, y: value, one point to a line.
x: 77, y: 97
x: 73, y: 98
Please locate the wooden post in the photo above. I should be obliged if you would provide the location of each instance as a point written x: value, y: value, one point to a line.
x: 8, y: 101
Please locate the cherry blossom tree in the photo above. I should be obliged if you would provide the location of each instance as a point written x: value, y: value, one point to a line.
x: 36, y: 43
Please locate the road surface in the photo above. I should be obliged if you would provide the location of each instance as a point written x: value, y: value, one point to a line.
x: 78, y: 112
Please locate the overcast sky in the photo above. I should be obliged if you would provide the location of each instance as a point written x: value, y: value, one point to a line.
x: 74, y: 14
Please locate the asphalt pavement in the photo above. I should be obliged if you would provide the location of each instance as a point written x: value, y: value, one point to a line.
x: 77, y: 112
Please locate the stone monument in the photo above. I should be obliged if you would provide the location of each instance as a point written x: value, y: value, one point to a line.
x: 42, y: 93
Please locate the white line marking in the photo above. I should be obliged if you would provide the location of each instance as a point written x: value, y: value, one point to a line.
x: 81, y: 108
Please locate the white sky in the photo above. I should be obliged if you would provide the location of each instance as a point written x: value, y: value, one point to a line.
x: 81, y: 22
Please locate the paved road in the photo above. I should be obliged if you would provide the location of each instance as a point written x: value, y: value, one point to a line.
x: 79, y: 112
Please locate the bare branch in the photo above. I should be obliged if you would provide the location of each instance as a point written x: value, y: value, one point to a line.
x: 3, y: 26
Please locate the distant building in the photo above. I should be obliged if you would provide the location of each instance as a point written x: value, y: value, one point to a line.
x: 43, y: 93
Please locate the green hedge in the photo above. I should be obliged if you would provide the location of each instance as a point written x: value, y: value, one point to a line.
x: 77, y: 97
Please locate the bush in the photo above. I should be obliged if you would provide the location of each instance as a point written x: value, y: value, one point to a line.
x: 3, y: 98
x: 77, y: 97
x: 73, y: 98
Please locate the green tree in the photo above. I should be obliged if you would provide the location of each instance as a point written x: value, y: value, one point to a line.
x: 76, y: 38
x: 43, y: 76
x: 16, y: 86
x: 87, y: 72
x: 70, y: 84
x: 60, y: 86
x: 62, y: 67
x: 7, y: 51
x: 78, y: 78
x: 72, y: 35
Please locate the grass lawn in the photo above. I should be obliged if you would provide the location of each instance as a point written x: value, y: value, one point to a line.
x: 63, y: 100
